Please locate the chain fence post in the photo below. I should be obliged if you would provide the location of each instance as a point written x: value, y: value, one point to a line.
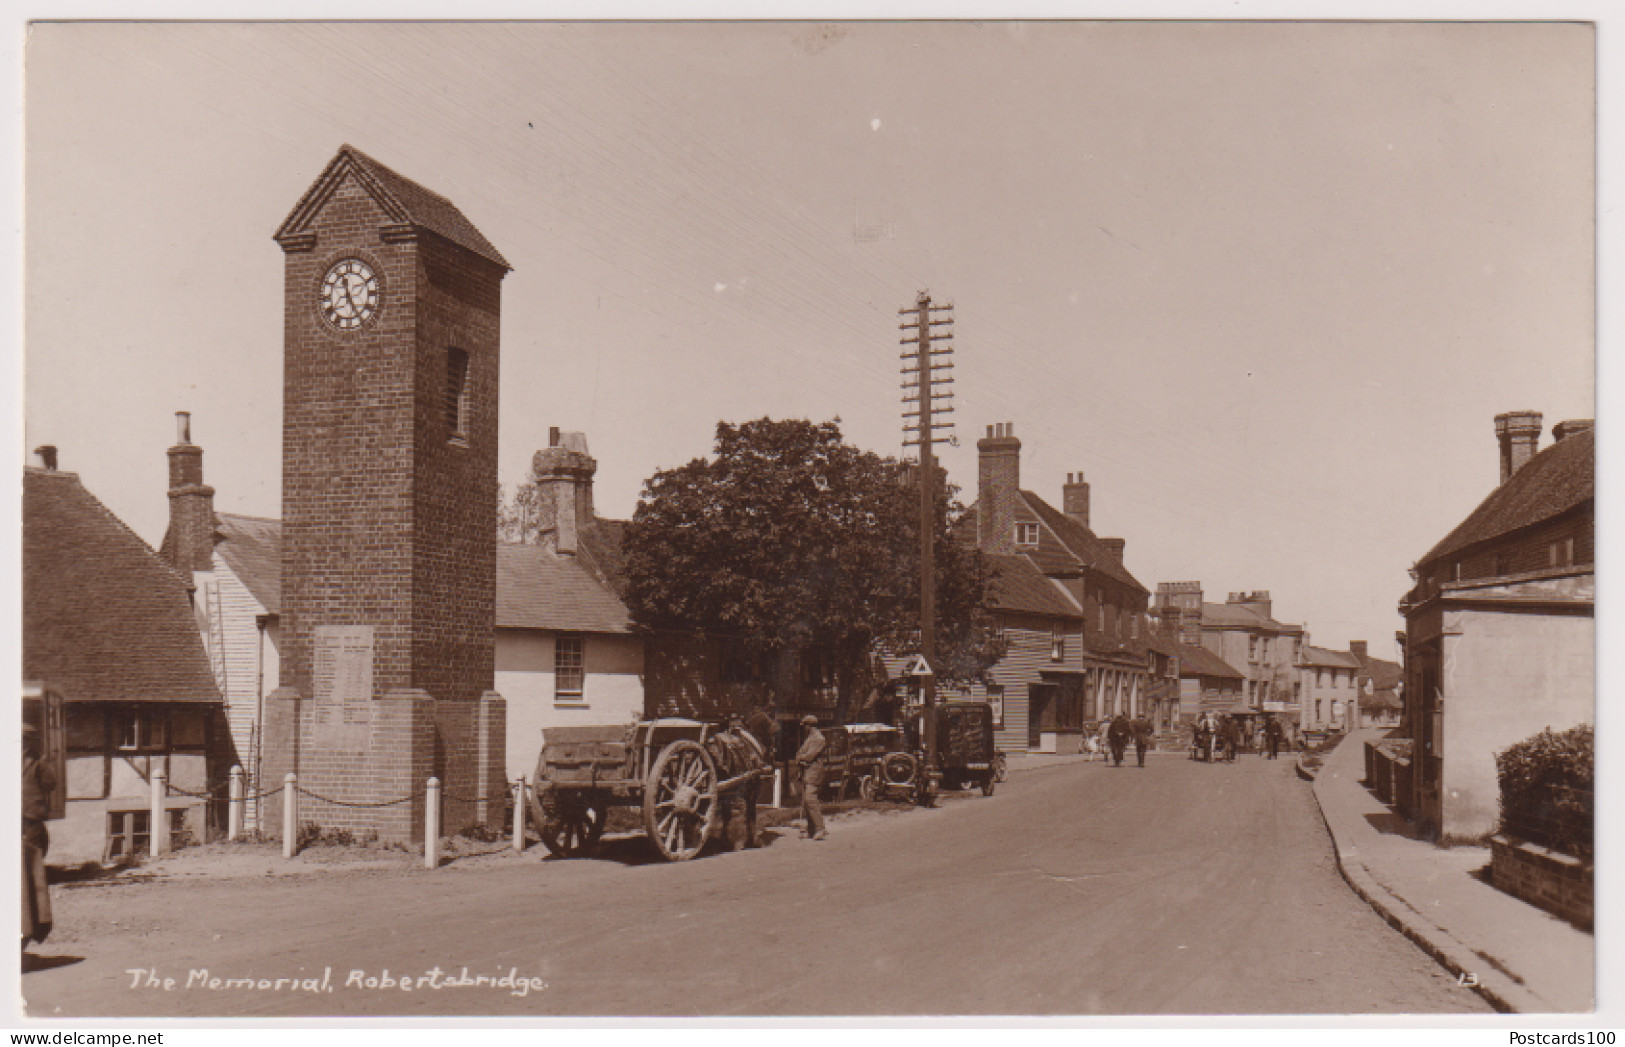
x: 157, y: 823
x: 234, y: 810
x: 519, y: 815
x: 290, y: 815
x: 431, y: 826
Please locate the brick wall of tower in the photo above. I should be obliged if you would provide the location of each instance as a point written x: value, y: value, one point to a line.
x: 455, y: 500
x: 348, y: 409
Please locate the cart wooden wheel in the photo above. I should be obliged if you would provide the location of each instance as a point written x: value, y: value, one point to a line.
x: 680, y: 800
x: 867, y: 787
x: 569, y: 823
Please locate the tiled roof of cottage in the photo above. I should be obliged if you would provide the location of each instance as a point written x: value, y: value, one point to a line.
x: 539, y: 589
x: 1554, y: 481
x: 1078, y: 547
x: 536, y: 587
x: 1199, y: 661
x: 251, y: 547
x: 1019, y: 586
x: 103, y: 618
x: 1081, y: 542
x: 405, y: 200
x: 1327, y: 658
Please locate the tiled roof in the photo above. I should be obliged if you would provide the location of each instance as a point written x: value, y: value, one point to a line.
x: 1199, y: 661
x: 1321, y: 656
x: 600, y: 546
x: 1385, y: 676
x: 103, y: 618
x: 405, y: 200
x: 252, y: 547
x: 1222, y: 614
x: 1551, y: 483
x: 539, y: 589
x: 1081, y: 542
x: 536, y: 587
x: 1021, y: 587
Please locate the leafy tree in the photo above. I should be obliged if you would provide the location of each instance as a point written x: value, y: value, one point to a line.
x: 788, y: 539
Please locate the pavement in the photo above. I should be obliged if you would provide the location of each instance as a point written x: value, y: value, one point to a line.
x: 1518, y: 957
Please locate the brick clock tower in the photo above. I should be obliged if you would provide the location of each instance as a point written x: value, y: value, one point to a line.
x: 389, y: 493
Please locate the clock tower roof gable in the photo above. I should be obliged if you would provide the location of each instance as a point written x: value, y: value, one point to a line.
x: 403, y: 200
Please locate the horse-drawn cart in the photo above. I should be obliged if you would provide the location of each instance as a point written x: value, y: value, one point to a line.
x: 689, y: 779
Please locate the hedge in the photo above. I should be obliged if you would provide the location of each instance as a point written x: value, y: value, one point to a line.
x: 1548, y: 789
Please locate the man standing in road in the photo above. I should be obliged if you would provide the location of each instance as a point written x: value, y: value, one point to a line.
x: 810, y: 770
x: 1117, y: 736
x: 1142, y: 738
x: 1272, y: 735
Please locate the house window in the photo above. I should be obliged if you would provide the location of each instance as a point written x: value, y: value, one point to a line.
x: 1057, y: 643
x: 457, y: 393
x: 567, y: 669
x: 995, y: 698
x: 1134, y: 626
x: 141, y: 730
x: 1101, y: 609
x: 1562, y: 553
x: 1026, y: 534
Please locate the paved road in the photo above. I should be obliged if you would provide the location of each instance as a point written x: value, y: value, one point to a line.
x: 1179, y: 888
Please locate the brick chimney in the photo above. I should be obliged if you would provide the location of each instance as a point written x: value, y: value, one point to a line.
x: 1115, y: 546
x: 998, y: 488
x: 189, y: 542
x: 563, y: 474
x: 1075, y: 498
x: 1518, y: 433
x: 45, y: 457
x: 1358, y: 649
x: 1564, y: 430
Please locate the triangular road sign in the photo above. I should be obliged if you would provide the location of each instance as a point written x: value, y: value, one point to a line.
x: 918, y: 667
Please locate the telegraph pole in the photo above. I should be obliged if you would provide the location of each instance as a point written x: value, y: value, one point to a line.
x: 924, y: 395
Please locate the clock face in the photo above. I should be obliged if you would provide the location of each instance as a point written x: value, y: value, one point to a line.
x: 350, y: 294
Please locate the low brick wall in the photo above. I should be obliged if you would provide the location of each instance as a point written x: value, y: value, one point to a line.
x: 1370, y: 763
x: 1402, y: 787
x: 1382, y: 783
x: 1552, y: 880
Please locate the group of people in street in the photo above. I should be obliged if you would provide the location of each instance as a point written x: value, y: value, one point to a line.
x: 1221, y: 736
x: 1112, y: 739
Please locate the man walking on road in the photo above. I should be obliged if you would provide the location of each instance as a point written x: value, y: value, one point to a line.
x: 1117, y: 736
x: 1142, y: 738
x: 810, y: 770
x: 1272, y: 735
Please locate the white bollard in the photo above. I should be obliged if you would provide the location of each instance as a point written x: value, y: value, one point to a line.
x: 235, y: 806
x: 158, y: 819
x: 290, y: 815
x: 519, y: 798
x: 778, y: 787
x: 431, y: 826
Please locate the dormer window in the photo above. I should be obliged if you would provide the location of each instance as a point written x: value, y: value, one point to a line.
x: 1057, y: 643
x: 1027, y: 534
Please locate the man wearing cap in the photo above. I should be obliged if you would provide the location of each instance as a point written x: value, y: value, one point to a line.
x: 810, y: 770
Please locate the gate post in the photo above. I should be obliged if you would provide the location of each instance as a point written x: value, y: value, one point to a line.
x: 431, y: 825
x: 519, y: 815
x: 234, y: 810
x: 157, y: 821
x: 290, y: 814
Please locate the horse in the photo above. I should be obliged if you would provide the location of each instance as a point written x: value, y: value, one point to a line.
x: 743, y: 747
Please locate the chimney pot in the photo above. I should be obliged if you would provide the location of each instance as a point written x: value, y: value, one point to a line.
x: 183, y: 427
x: 1564, y: 430
x: 552, y: 436
x: 45, y: 455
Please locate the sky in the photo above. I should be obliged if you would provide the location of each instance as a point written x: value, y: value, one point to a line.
x: 1265, y: 284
